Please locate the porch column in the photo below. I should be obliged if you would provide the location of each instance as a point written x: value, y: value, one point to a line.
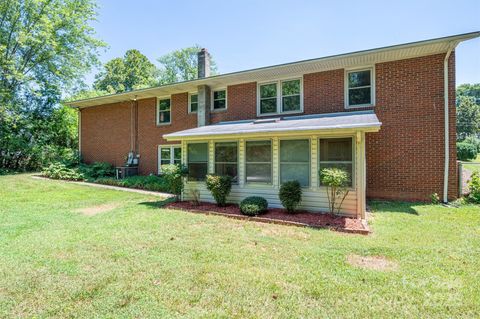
x: 241, y: 160
x: 360, y: 181
x: 275, y: 165
x: 211, y: 157
x: 314, y: 162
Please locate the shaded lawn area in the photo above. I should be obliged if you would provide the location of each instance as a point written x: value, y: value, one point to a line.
x: 133, y: 259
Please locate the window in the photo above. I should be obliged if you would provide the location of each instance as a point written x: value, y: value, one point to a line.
x: 197, y: 159
x: 193, y: 104
x: 288, y: 92
x: 295, y: 161
x: 169, y: 154
x: 163, y: 112
x: 226, y: 159
x: 219, y: 100
x: 359, y: 88
x: 338, y: 153
x: 258, y: 161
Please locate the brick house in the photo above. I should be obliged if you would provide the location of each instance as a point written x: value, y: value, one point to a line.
x: 385, y: 115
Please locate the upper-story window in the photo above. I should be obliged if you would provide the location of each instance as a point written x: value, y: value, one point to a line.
x: 280, y: 97
x: 219, y: 100
x: 359, y: 88
x: 193, y: 103
x: 163, y: 112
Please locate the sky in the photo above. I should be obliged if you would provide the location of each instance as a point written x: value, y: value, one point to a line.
x: 247, y: 34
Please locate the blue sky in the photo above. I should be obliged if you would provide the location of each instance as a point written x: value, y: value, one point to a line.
x: 247, y: 34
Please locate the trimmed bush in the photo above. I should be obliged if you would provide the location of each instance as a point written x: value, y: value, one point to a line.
x: 253, y: 205
x: 220, y: 186
x: 61, y: 171
x: 290, y: 195
x: 472, y: 139
x: 173, y: 177
x: 150, y: 183
x: 466, y: 151
x: 97, y: 170
x: 474, y: 187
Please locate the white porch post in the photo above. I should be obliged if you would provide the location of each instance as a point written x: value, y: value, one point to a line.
x: 360, y: 174
x: 241, y: 161
x: 211, y: 157
x: 275, y: 164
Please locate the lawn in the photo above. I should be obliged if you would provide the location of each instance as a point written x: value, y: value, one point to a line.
x: 135, y: 259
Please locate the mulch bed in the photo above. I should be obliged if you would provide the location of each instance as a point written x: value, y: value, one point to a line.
x: 280, y: 216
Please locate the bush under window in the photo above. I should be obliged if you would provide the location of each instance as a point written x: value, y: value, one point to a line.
x: 290, y: 195
x: 253, y: 205
x: 219, y: 186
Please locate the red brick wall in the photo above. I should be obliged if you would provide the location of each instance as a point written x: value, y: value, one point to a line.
x: 404, y: 159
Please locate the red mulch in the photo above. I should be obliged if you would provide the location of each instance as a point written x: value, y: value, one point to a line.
x: 279, y: 216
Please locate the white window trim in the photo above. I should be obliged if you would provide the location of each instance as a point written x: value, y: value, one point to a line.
x: 354, y: 166
x: 212, y: 101
x: 158, y: 110
x: 271, y: 161
x: 372, y: 87
x: 279, y: 96
x: 187, y: 162
x: 172, y: 155
x: 190, y: 102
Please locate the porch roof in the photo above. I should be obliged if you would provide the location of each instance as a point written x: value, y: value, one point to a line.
x: 361, y: 120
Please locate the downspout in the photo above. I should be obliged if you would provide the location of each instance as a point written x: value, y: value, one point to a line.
x: 447, y: 125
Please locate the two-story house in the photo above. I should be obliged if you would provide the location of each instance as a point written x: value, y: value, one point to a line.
x: 386, y: 115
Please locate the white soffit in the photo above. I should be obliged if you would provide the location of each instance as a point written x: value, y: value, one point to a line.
x: 360, y: 58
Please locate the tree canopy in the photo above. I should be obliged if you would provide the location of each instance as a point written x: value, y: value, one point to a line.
x: 468, y: 110
x: 46, y: 46
x: 133, y: 71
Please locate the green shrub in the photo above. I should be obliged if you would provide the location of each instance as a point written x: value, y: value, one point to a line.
x: 474, y: 187
x: 472, y: 139
x: 219, y: 186
x: 253, y: 205
x: 336, y: 180
x: 173, y: 176
x: 61, y: 171
x: 97, y: 170
x: 150, y: 183
x: 435, y: 198
x: 290, y: 195
x: 466, y: 151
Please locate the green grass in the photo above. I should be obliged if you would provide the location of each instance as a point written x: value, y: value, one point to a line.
x: 472, y: 167
x: 139, y: 260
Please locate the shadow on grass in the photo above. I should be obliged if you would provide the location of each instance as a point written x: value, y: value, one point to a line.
x: 394, y: 207
x: 159, y: 203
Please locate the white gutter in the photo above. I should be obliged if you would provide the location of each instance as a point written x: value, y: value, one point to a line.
x: 447, y: 125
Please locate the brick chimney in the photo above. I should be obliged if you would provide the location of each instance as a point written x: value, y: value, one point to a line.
x: 203, y: 63
x: 203, y: 112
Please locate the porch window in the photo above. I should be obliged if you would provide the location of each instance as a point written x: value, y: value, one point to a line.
x: 163, y: 112
x: 295, y: 161
x: 338, y: 153
x: 226, y: 159
x: 258, y: 161
x: 193, y: 104
x: 197, y: 161
x: 169, y: 154
x: 359, y: 88
x: 219, y: 100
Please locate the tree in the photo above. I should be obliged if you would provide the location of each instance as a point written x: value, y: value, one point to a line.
x: 133, y: 71
x: 472, y: 90
x: 181, y: 65
x: 468, y: 110
x: 46, y: 46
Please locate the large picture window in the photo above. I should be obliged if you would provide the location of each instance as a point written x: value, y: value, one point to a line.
x: 226, y: 159
x: 163, y: 112
x: 295, y: 161
x: 359, y: 88
x: 280, y: 97
x: 197, y: 161
x: 338, y: 153
x: 258, y: 161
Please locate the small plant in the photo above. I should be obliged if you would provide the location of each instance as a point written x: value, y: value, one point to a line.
x: 61, y: 171
x: 195, y: 193
x: 336, y: 180
x: 474, y: 187
x: 290, y: 195
x: 97, y: 170
x: 466, y: 151
x: 435, y: 198
x: 253, y: 205
x: 173, y: 175
x: 220, y: 186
